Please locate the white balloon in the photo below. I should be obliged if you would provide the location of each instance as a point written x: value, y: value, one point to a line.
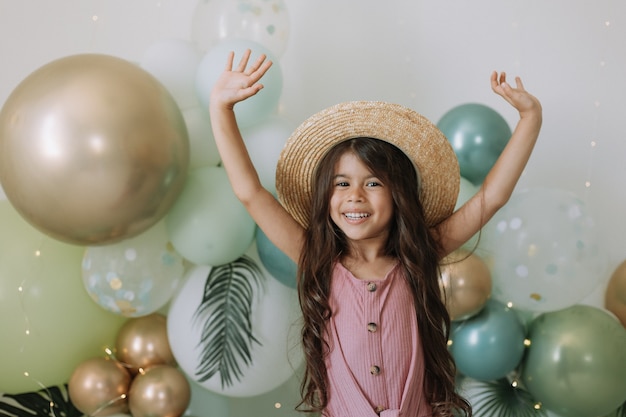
x: 174, y: 63
x: 202, y: 148
x: 545, y: 252
x: 275, y: 324
x: 264, y: 142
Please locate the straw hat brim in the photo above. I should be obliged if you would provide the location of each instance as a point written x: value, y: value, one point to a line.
x: 414, y: 134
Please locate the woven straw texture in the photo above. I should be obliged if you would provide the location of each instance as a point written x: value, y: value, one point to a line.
x: 414, y: 134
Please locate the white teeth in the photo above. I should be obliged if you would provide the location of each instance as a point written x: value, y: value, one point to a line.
x: 356, y: 215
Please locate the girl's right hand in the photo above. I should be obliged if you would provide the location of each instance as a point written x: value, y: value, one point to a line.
x: 235, y: 85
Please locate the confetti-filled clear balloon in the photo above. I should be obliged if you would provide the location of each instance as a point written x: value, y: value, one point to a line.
x: 263, y: 21
x: 545, y: 254
x: 134, y: 277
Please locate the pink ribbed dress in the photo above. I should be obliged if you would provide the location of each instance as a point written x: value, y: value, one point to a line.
x: 375, y: 366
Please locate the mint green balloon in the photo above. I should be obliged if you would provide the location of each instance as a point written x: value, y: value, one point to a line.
x: 576, y: 363
x: 208, y: 225
x: 48, y: 323
x: 256, y: 108
x: 478, y: 134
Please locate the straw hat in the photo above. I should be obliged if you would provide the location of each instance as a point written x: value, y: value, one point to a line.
x: 419, y: 138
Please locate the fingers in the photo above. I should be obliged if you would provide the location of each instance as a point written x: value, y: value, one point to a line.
x: 243, y: 62
x: 229, y: 61
x: 257, y: 64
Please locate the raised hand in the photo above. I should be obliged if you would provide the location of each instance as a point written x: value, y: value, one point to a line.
x: 235, y: 85
x: 518, y: 97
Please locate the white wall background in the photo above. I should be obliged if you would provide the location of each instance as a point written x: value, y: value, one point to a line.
x: 431, y: 55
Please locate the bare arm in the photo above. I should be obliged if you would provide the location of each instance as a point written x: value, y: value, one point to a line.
x: 233, y: 86
x: 500, y: 182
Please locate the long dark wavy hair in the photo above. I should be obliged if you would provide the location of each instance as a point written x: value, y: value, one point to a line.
x: 410, y: 241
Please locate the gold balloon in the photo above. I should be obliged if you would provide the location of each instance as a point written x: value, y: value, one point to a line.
x: 466, y: 284
x: 99, y: 387
x: 142, y: 342
x: 160, y: 391
x: 93, y: 149
x: 615, y: 296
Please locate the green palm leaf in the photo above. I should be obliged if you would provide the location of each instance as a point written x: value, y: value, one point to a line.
x: 620, y: 412
x: 225, y: 312
x: 49, y: 402
x: 500, y: 398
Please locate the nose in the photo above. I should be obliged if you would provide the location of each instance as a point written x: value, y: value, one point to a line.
x: 355, y: 195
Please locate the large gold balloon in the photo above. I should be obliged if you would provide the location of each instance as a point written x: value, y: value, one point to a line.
x: 99, y: 387
x: 466, y: 283
x: 142, y: 342
x: 93, y: 149
x: 160, y: 391
x: 615, y: 296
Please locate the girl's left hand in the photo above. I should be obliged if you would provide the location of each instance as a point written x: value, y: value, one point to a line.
x: 235, y: 85
x: 525, y: 103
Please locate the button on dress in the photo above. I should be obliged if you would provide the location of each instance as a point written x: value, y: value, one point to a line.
x: 375, y: 365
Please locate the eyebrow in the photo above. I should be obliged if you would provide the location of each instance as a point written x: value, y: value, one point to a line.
x: 369, y: 177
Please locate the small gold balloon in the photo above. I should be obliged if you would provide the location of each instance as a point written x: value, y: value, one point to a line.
x: 160, y: 391
x: 466, y: 284
x: 93, y: 149
x: 99, y: 387
x: 142, y: 342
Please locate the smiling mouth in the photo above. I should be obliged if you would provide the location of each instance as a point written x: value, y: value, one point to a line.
x: 356, y: 216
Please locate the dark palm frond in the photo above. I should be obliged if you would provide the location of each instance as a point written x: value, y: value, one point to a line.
x: 500, y: 398
x: 53, y: 402
x: 620, y: 412
x: 226, y: 316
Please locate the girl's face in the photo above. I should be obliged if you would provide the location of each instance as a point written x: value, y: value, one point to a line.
x: 361, y: 205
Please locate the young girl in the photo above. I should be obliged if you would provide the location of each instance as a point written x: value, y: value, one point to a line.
x: 366, y: 192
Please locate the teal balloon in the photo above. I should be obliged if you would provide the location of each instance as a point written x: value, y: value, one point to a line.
x: 576, y: 363
x: 490, y: 344
x: 256, y: 108
x: 279, y: 265
x: 478, y: 134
